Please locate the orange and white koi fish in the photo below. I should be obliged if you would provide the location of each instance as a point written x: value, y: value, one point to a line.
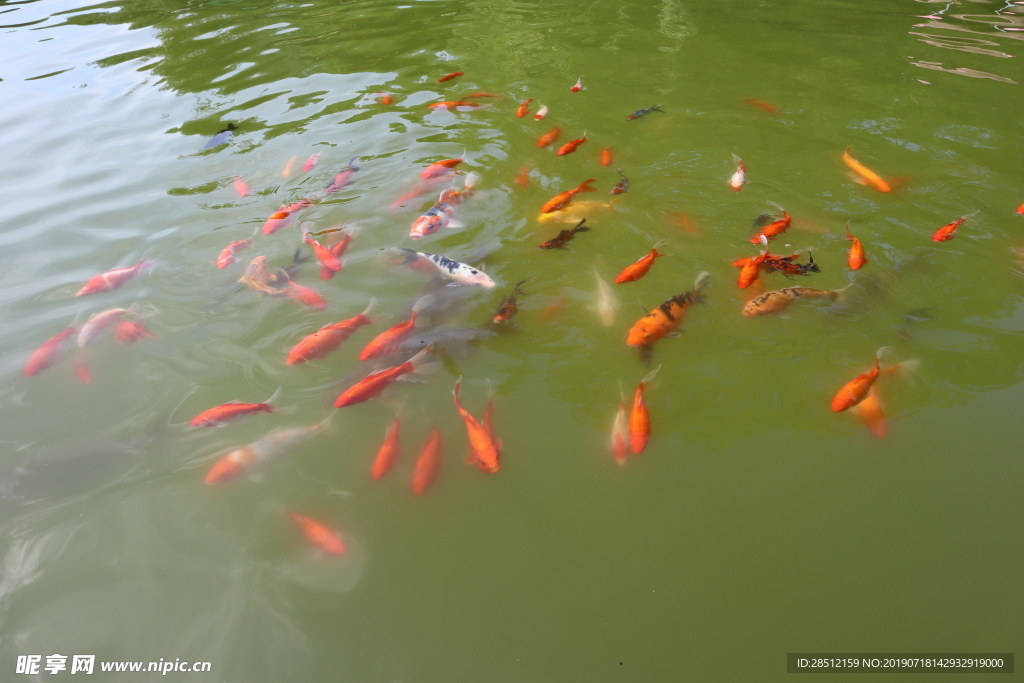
x: 620, y: 430
x: 856, y: 390
x: 310, y: 163
x: 578, y: 86
x: 524, y: 109
x: 871, y: 413
x: 245, y: 459
x: 241, y: 187
x: 441, y: 168
x: 440, y: 215
x: 563, y: 200
x: 224, y: 413
x: 227, y: 255
x: 948, y: 232
x: 663, y: 320
x: 329, y: 337
x: 289, y: 167
x: 606, y: 156
x: 97, y: 323
x: 388, y: 452
x: 570, y: 147
x: 428, y: 464
x: 639, y: 418
x: 767, y: 106
x: 739, y: 178
x: 453, y: 105
x: 344, y: 178
x: 779, y: 300
x: 371, y: 386
x: 319, y: 534
x: 324, y: 256
x: 448, y: 77
x: 864, y: 175
x: 305, y: 296
x: 112, y: 279
x: 856, y: 259
x: 548, y: 137
x: 606, y: 303
x: 637, y: 270
x: 775, y: 228
x: 510, y: 307
x: 285, y: 216
x: 486, y: 452
x: 46, y: 354
x: 130, y: 331
x: 385, y: 342
x: 541, y: 113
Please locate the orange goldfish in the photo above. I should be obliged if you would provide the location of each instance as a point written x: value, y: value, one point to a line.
x: 440, y: 168
x: 319, y: 534
x: 523, y: 179
x: 864, y: 175
x: 856, y: 390
x: 310, y: 163
x: 46, y: 355
x: 386, y: 341
x: 428, y: 464
x: 664, y: 319
x: 453, y: 105
x: 287, y: 170
x: 606, y: 156
x: 570, y: 147
x: 305, y: 296
x: 871, y: 413
x: 324, y: 256
x: 450, y: 76
x: 856, y: 259
x: 129, y: 331
x: 635, y: 271
x: 82, y: 371
x: 388, y: 452
x: 371, y: 385
x: 948, y: 232
x: 284, y: 216
x: 523, y: 109
x: 775, y: 228
x: 329, y: 337
x: 485, y: 450
x: 338, y: 250
x: 343, y: 178
x: 385, y: 99
x: 112, y: 279
x: 224, y: 413
x: 1020, y: 210
x: 227, y: 255
x: 548, y: 137
x: 767, y: 106
x: 565, y: 198
x: 241, y: 187
x: 639, y: 419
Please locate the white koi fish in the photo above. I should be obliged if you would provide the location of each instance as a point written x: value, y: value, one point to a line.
x: 453, y: 270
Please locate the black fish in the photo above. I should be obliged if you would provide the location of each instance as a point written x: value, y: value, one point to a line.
x: 644, y: 112
x: 221, y: 137
x: 564, y: 236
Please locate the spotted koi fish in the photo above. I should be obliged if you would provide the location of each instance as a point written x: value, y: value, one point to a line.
x: 450, y: 269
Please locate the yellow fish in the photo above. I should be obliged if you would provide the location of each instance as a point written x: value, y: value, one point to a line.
x: 577, y: 211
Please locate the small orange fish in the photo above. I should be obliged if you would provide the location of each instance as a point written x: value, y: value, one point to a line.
x: 371, y: 385
x: 241, y: 187
x: 319, y: 534
x: 639, y: 418
x: 620, y: 431
x: 285, y: 216
x: 856, y: 259
x: 448, y: 77
x: 224, y: 413
x: 310, y: 163
x: 82, y: 371
x: 329, y: 337
x: 485, y: 451
x: 523, y: 109
x: 864, y: 175
x: 129, y: 331
x: 523, y: 179
x: 440, y: 168
x: 548, y: 137
x: 750, y: 270
x: 856, y: 390
x: 46, y: 355
x: 871, y: 413
x: 428, y: 464
x: 563, y: 200
x: 570, y: 147
x: 227, y: 255
x: 554, y: 308
x: 606, y: 156
x: 637, y: 270
x: 338, y: 250
x: 664, y: 319
x: 510, y: 307
x: 1020, y: 210
x: 384, y: 342
x: 775, y: 228
x: 384, y: 98
x: 324, y: 256
x: 453, y: 105
x: 388, y: 452
x: 948, y: 232
x: 767, y: 106
x: 287, y: 170
x: 112, y: 279
x: 305, y: 296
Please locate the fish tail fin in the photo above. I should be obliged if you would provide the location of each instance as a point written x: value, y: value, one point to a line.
x: 849, y: 235
x: 420, y: 364
x: 650, y: 376
x: 369, y: 308
x: 352, y: 163
x: 408, y: 255
x: 701, y: 281
x: 771, y: 203
x: 660, y: 244
x: 884, y: 351
x: 273, y: 396
x: 586, y: 187
x: 472, y: 181
x: 971, y: 215
x: 455, y: 393
x: 736, y: 160
x: 423, y: 302
x: 834, y: 294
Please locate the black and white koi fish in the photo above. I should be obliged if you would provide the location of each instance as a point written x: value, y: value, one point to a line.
x: 453, y: 270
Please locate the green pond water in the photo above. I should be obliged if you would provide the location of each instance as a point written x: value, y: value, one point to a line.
x: 756, y: 523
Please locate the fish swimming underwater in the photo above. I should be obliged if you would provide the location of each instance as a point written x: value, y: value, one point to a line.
x: 457, y: 272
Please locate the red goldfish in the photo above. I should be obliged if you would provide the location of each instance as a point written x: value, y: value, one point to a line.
x: 856, y: 259
x: 387, y: 340
x: 428, y: 464
x: 639, y: 419
x: 635, y: 271
x: 371, y: 386
x: 453, y: 105
x: 856, y: 390
x: 578, y: 86
x: 767, y: 106
x: 324, y: 256
x: 329, y: 337
x: 864, y: 175
x: 227, y: 255
x: 485, y: 450
x: 775, y: 228
x: 338, y: 250
x: 440, y: 168
x: 450, y: 76
x: 238, y: 462
x: 305, y: 296
x: 222, y: 414
x: 524, y: 109
x: 570, y: 147
x: 310, y: 163
x: 129, y: 331
x: 385, y: 99
x: 606, y: 156
x: 344, y: 178
x: 948, y: 232
x: 112, y: 279
x: 241, y: 187
x: 284, y: 216
x: 46, y: 355
x: 739, y: 178
x: 548, y: 137
x: 563, y: 200
x: 388, y: 452
x: 750, y: 268
x: 319, y: 534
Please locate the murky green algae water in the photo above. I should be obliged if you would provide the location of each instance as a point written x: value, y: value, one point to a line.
x: 756, y: 523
